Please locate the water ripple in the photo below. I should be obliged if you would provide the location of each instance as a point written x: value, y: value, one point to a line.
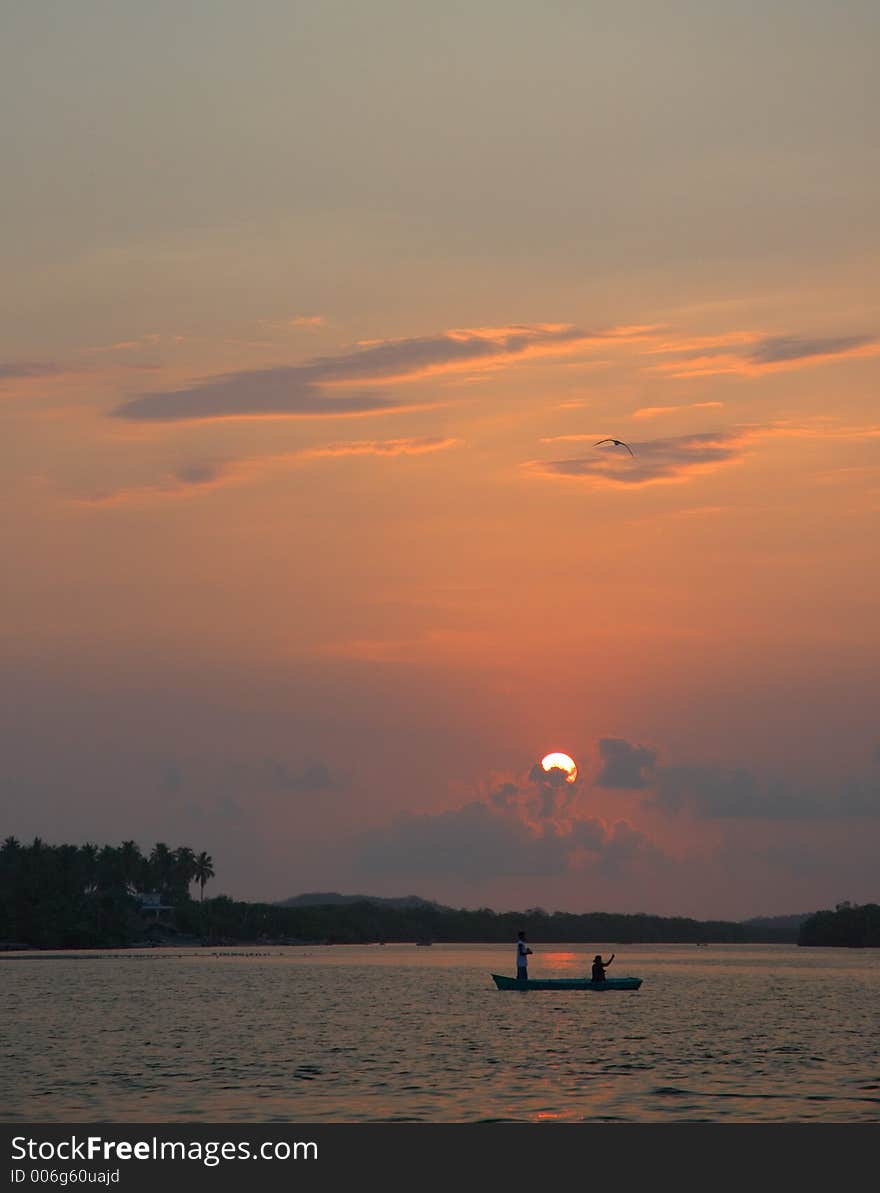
x: 363, y: 1035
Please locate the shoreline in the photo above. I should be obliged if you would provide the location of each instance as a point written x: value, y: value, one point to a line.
x: 266, y: 948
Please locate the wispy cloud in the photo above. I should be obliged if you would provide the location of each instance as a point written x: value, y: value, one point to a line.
x: 322, y: 387
x: 655, y: 460
x: 309, y: 390
x: 579, y: 437
x: 381, y: 447
x: 647, y: 412
x: 258, y: 393
x: 191, y: 479
x: 148, y: 340
x: 670, y: 341
x: 677, y: 459
x: 307, y: 321
x: 16, y: 370
x: 784, y: 349
x: 294, y: 323
x: 465, y: 348
x: 185, y: 481
x: 762, y: 354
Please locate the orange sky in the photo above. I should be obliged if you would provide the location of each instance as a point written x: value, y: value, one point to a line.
x: 311, y: 553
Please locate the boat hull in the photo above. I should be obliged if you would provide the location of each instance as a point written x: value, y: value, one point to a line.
x: 504, y: 983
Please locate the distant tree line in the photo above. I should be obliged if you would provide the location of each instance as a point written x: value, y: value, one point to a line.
x: 78, y: 896
x: 366, y: 922
x: 848, y: 926
x: 70, y: 896
x: 75, y: 896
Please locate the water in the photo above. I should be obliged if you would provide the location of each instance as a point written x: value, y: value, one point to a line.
x: 402, y: 1033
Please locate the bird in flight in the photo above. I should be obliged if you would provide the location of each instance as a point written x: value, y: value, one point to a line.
x: 617, y: 443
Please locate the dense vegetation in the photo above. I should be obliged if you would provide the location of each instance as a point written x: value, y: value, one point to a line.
x: 849, y: 925
x: 69, y: 896
x: 365, y: 922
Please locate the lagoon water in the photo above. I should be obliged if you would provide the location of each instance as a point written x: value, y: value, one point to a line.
x: 403, y: 1033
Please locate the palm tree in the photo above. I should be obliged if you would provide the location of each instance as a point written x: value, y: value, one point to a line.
x: 111, y: 875
x: 88, y: 859
x: 204, y: 869
x: 132, y: 862
x: 10, y: 854
x: 184, y: 870
x: 161, y: 867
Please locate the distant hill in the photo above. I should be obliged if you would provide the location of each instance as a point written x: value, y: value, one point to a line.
x: 788, y: 924
x: 333, y: 899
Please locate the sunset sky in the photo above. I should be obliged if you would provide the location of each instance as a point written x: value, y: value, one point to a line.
x: 312, y: 315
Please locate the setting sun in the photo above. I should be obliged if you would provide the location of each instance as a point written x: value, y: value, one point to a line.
x: 561, y: 762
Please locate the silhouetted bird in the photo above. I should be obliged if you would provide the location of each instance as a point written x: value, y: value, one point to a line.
x: 617, y: 443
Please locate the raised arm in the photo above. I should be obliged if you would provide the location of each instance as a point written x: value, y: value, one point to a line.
x: 610, y: 959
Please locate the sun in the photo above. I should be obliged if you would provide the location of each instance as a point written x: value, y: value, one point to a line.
x: 561, y: 762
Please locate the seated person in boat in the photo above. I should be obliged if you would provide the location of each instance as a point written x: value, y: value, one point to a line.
x: 599, y: 967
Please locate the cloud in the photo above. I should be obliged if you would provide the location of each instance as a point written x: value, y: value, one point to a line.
x: 187, y: 480
x: 678, y: 343
x: 678, y: 458
x: 381, y: 447
x: 308, y: 390
x: 312, y: 321
x: 717, y: 792
x: 762, y: 354
x: 782, y: 349
x: 16, y: 370
x: 547, y: 780
x: 474, y: 841
x: 574, y: 438
x: 479, y: 841
x: 624, y: 765
x: 128, y: 345
x: 534, y: 826
x: 316, y: 388
x: 708, y: 791
x: 299, y: 322
x: 655, y: 460
x: 721, y: 793
x: 463, y: 348
x: 259, y: 393
x: 659, y: 411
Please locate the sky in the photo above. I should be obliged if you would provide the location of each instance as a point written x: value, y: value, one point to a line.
x: 312, y: 317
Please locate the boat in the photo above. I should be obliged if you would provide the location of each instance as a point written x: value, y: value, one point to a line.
x: 504, y: 983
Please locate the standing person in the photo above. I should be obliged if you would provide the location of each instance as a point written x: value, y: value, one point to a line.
x: 523, y: 952
x: 599, y: 967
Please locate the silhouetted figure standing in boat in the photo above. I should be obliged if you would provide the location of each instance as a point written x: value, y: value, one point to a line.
x: 599, y: 967
x: 523, y: 952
